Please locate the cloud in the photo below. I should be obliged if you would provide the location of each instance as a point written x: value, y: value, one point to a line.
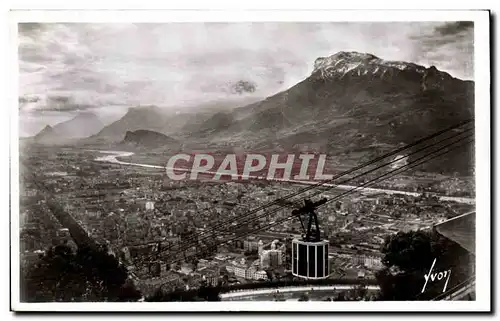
x: 102, y: 66
x: 243, y: 86
x: 56, y: 103
x: 27, y: 99
x: 448, y: 46
x: 452, y: 28
x: 59, y: 99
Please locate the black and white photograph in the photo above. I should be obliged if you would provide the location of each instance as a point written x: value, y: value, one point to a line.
x: 180, y: 161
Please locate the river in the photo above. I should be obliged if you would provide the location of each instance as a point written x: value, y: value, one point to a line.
x: 112, y: 156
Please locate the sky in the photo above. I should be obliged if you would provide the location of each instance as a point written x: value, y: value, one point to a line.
x: 66, y: 69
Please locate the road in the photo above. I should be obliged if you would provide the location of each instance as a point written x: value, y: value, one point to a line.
x: 112, y: 158
x: 263, y: 293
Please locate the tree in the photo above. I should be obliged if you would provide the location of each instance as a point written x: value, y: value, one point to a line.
x: 409, y: 256
x: 411, y: 251
x: 62, y: 275
x: 209, y: 293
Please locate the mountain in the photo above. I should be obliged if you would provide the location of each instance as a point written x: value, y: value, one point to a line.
x: 353, y: 105
x: 149, y: 117
x: 47, y: 134
x: 148, y: 138
x: 154, y: 119
x: 169, y: 121
x: 83, y: 125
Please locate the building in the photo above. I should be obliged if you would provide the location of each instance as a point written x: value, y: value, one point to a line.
x: 251, y: 245
x: 246, y: 270
x: 238, y: 268
x: 27, y: 259
x: 154, y: 268
x: 186, y: 268
x: 150, y: 205
x: 373, y: 262
x: 275, y: 258
x: 238, y: 244
x: 260, y: 275
x: 250, y: 272
x: 271, y: 258
x: 210, y: 275
x: 261, y: 247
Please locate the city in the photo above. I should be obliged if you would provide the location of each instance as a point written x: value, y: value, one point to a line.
x: 137, y: 211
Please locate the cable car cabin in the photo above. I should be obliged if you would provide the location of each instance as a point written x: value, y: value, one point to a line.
x: 310, y: 254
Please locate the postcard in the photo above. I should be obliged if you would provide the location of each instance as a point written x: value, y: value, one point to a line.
x: 250, y: 161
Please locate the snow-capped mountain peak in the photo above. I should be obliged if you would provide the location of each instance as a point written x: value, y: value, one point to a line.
x: 358, y: 64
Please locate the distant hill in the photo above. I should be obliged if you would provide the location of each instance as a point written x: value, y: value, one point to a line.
x: 148, y: 138
x: 150, y: 117
x: 82, y: 125
x: 172, y: 122
x: 46, y: 135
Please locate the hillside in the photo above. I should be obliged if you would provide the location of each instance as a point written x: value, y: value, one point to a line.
x: 148, y: 138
